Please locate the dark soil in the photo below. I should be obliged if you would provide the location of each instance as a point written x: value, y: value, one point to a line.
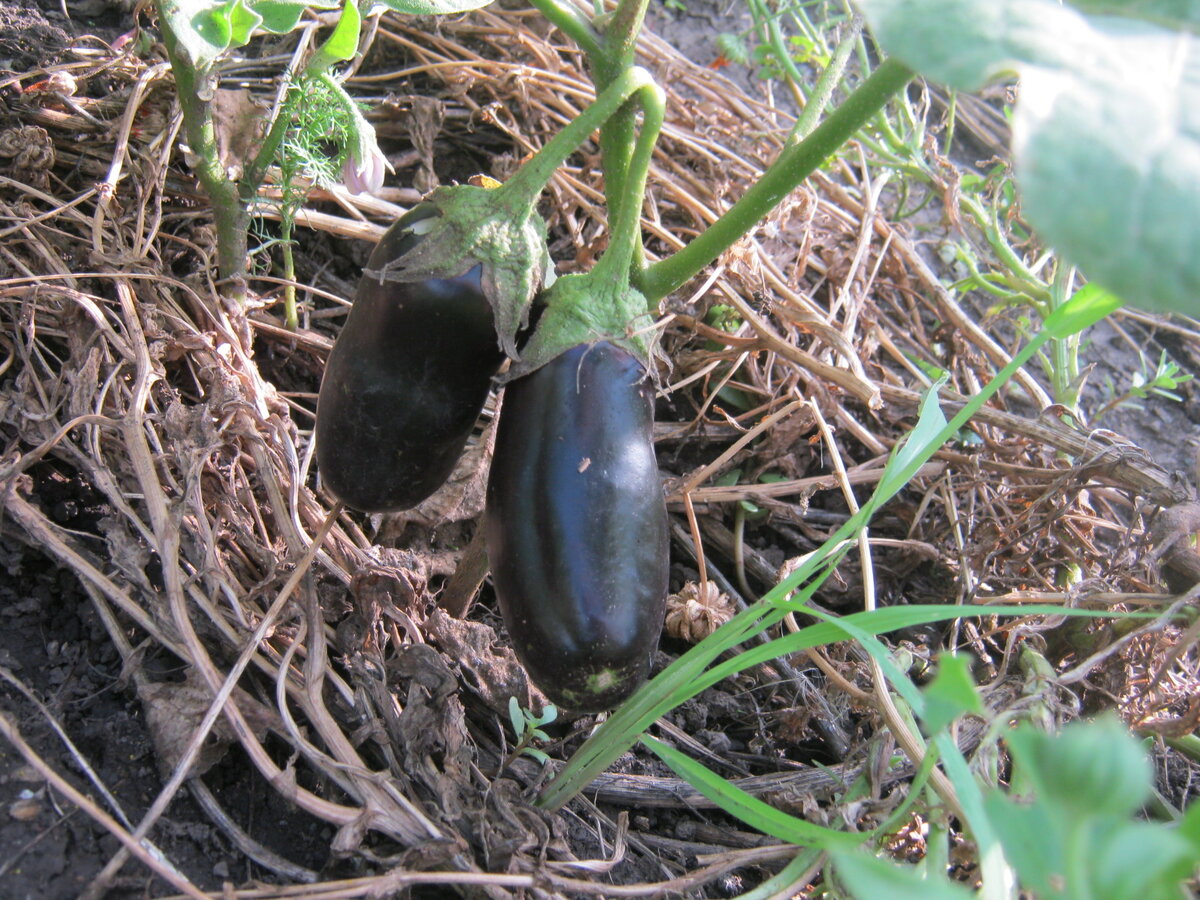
x: 53, y: 645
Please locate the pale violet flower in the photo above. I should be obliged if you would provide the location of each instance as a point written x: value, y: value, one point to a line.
x: 365, y: 162
x: 364, y: 168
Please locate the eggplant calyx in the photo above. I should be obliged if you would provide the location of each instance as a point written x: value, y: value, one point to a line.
x: 488, y: 227
x: 585, y: 309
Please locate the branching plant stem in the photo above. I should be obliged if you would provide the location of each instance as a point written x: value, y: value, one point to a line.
x: 788, y: 171
x: 529, y: 180
x: 570, y: 22
x: 617, y: 54
x: 230, y: 215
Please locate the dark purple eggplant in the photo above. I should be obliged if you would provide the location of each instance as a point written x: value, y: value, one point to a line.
x: 405, y: 381
x: 576, y: 526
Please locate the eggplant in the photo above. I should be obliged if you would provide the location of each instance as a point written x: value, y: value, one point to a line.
x: 576, y: 526
x: 405, y: 381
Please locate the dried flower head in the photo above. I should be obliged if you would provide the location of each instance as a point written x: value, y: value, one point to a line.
x: 693, y: 616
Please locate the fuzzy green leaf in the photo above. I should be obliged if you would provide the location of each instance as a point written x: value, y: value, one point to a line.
x: 1168, y: 13
x: 1106, y: 134
x: 1033, y: 841
x: 1108, y: 159
x: 433, y: 7
x: 1138, y: 859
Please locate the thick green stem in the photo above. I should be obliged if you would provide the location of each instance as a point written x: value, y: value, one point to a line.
x: 1064, y: 370
x: 532, y: 177
x: 819, y: 99
x: 626, y: 225
x: 621, y: 33
x: 615, y: 57
x: 254, y: 174
x: 788, y: 171
x: 570, y: 22
x: 230, y: 217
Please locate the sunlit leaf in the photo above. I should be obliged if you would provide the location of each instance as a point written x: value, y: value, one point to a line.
x: 1106, y: 133
x: 433, y: 7
x: 281, y: 16
x: 1087, y: 306
x: 342, y: 42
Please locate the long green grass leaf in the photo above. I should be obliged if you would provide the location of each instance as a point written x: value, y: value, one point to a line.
x: 754, y: 812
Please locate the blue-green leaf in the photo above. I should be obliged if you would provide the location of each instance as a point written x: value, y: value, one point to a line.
x: 1106, y: 133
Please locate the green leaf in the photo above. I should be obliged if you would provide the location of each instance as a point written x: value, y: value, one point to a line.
x: 952, y: 693
x: 203, y: 30
x: 1106, y: 135
x: 967, y: 43
x: 918, y: 446
x: 748, y: 808
x: 1089, y: 768
x: 1033, y: 841
x: 242, y: 22
x: 342, y: 42
x: 869, y: 877
x: 433, y: 7
x: 1087, y: 306
x: 1108, y: 159
x: 1168, y: 13
x: 517, y: 716
x: 281, y: 16
x: 1189, y: 826
x: 1138, y: 859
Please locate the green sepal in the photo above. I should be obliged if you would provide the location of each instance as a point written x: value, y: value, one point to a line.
x: 586, y: 309
x: 489, y: 227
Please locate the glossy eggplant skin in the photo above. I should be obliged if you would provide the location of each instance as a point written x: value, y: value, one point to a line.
x: 576, y: 526
x: 405, y: 381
